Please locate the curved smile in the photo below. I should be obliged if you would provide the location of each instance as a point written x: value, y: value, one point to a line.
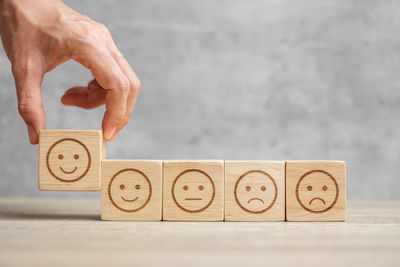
x: 255, y: 198
x: 68, y: 172
x: 130, y: 200
x: 316, y: 198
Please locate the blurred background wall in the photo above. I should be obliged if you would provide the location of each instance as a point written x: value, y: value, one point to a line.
x: 236, y: 79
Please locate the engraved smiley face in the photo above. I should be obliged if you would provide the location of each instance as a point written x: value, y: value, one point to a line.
x: 255, y: 191
x: 68, y: 160
x: 317, y: 191
x: 129, y: 190
x: 193, y: 191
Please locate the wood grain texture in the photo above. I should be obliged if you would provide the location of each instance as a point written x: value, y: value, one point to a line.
x: 315, y: 191
x: 131, y: 190
x: 254, y: 190
x: 193, y: 190
x: 69, y: 160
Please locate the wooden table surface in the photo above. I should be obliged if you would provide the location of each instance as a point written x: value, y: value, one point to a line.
x: 68, y: 232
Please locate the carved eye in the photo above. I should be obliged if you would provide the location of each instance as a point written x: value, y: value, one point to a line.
x: 137, y: 186
x: 122, y: 187
x: 248, y: 188
x: 201, y: 187
x: 263, y: 188
x: 309, y: 188
x: 185, y: 187
x: 76, y: 156
x: 60, y: 156
x: 324, y: 188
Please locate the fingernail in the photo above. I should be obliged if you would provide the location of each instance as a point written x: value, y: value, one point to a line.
x: 110, y: 134
x: 32, y: 135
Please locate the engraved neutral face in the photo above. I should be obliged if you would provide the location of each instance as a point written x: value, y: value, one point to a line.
x: 129, y: 190
x: 255, y: 191
x: 193, y: 190
x: 68, y: 160
x: 317, y: 191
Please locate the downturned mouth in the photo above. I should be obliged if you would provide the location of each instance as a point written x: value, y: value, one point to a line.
x: 255, y: 198
x: 130, y: 200
x: 316, y: 198
x: 193, y: 198
x: 68, y: 172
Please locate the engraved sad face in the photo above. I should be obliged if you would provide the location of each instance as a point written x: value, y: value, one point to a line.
x: 193, y: 191
x: 317, y: 191
x: 68, y: 160
x: 255, y: 192
x: 129, y: 190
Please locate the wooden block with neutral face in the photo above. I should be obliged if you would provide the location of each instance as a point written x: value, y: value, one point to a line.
x: 70, y: 160
x: 254, y: 190
x: 193, y: 190
x: 131, y: 190
x: 315, y: 190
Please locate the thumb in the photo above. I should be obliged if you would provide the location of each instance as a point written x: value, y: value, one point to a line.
x: 28, y: 80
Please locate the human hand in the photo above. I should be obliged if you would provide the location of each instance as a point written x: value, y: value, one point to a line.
x: 39, y: 35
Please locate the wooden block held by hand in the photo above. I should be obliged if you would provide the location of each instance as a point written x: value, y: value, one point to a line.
x: 315, y: 190
x: 131, y: 190
x: 69, y: 160
x: 254, y: 190
x: 193, y: 190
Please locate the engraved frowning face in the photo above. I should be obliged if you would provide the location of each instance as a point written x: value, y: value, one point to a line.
x: 129, y: 190
x: 317, y: 191
x: 255, y: 191
x: 193, y: 190
x: 68, y: 160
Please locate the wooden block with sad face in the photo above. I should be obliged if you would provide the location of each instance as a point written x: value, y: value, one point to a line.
x: 254, y: 191
x: 193, y: 190
x: 69, y: 160
x: 315, y: 190
x: 131, y: 190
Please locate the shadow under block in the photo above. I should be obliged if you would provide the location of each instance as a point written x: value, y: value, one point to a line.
x: 193, y: 190
x: 70, y: 160
x: 315, y: 190
x: 254, y: 190
x: 131, y: 190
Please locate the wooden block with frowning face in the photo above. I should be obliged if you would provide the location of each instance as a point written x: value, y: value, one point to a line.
x: 131, y: 190
x: 69, y: 160
x: 193, y: 190
x: 315, y: 190
x: 254, y: 191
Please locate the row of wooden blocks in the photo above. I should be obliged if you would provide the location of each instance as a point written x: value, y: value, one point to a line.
x: 207, y: 190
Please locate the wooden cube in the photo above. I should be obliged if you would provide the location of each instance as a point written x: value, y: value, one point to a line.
x: 131, y: 190
x: 315, y: 190
x: 254, y: 190
x: 193, y: 190
x: 69, y: 160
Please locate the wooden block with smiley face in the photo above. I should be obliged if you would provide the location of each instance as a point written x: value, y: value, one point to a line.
x: 315, y: 190
x: 193, y: 190
x: 254, y: 190
x: 69, y: 160
x: 131, y: 190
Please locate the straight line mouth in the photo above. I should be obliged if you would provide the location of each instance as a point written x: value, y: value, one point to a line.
x: 193, y: 198
x: 255, y: 198
x: 68, y: 172
x: 316, y: 198
x: 130, y: 200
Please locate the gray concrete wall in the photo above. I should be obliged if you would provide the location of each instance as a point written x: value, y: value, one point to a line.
x: 238, y: 79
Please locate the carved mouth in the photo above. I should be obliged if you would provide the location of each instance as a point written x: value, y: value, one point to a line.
x: 130, y: 200
x: 68, y: 172
x: 316, y: 198
x: 255, y: 198
x: 193, y: 198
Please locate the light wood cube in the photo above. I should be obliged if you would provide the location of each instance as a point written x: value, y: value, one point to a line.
x: 193, y: 190
x: 69, y: 160
x: 254, y: 190
x: 315, y: 190
x: 131, y: 190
